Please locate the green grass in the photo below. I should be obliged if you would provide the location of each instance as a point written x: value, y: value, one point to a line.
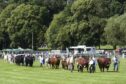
x: 105, y: 47
x: 13, y: 74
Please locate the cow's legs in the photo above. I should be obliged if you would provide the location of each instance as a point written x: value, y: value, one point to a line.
x: 78, y: 68
x: 31, y: 64
x: 53, y: 66
x: 22, y: 63
x: 103, y: 69
x: 87, y: 66
x: 26, y: 63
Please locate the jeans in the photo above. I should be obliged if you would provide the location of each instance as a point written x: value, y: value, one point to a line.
x: 115, y: 66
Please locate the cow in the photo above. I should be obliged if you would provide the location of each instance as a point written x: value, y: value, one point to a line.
x: 103, y: 63
x: 64, y: 63
x: 29, y: 60
x: 68, y: 62
x: 82, y: 62
x: 54, y: 61
x: 19, y: 59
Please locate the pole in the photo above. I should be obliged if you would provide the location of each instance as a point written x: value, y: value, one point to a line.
x: 32, y: 41
x: 99, y: 38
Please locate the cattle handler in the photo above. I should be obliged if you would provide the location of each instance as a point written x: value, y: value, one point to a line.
x: 115, y: 63
x: 42, y: 61
x: 91, y: 65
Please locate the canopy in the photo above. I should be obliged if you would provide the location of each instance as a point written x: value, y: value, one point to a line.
x: 17, y: 50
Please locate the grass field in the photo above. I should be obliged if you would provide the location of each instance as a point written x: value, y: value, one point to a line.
x: 12, y: 74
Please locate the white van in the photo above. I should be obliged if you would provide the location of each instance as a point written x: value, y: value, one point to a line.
x: 82, y: 49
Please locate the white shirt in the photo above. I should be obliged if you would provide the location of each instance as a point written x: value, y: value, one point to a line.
x: 71, y: 59
x: 41, y: 59
x: 115, y: 60
x: 91, y: 62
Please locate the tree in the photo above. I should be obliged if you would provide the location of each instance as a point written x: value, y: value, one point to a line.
x: 25, y: 20
x: 3, y: 4
x: 115, y: 30
x: 77, y: 24
x: 54, y: 28
x: 82, y: 23
x: 69, y: 22
x: 5, y: 14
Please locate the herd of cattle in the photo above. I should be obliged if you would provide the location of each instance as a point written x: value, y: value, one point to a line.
x: 83, y: 62
x: 20, y: 59
x: 67, y: 62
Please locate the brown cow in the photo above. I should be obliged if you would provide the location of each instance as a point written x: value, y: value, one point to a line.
x: 54, y: 61
x: 103, y: 63
x: 82, y: 62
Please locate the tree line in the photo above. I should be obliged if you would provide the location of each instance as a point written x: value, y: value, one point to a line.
x: 62, y: 23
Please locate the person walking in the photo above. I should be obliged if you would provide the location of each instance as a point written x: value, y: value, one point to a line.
x: 115, y: 63
x: 42, y: 60
x: 94, y: 63
x: 91, y: 65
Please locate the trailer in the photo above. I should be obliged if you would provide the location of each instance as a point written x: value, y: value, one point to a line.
x: 82, y: 49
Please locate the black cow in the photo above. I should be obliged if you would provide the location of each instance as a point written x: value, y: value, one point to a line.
x: 19, y: 59
x: 29, y: 60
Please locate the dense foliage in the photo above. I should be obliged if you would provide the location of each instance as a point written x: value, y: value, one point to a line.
x: 61, y: 23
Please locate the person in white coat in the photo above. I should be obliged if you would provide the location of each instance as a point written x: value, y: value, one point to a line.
x: 42, y: 60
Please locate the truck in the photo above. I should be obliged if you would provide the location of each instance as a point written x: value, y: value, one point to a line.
x: 82, y: 49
